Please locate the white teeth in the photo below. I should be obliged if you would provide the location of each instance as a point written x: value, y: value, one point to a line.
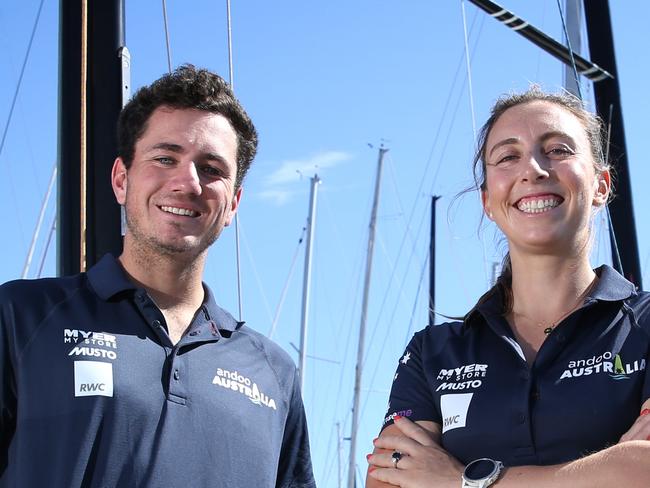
x: 179, y: 211
x: 538, y: 206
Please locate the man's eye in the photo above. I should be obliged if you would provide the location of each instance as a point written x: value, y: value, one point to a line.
x: 164, y: 160
x: 211, y: 170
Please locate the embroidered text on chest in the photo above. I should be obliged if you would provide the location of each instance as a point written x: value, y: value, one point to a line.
x: 612, y: 364
x: 463, y: 377
x: 242, y: 384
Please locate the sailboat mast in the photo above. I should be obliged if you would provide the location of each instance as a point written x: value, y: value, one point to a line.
x: 92, y: 83
x: 306, y: 284
x: 432, y: 263
x: 608, y: 100
x: 362, y: 328
x: 573, y: 9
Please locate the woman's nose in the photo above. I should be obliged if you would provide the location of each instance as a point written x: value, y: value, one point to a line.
x: 535, y: 168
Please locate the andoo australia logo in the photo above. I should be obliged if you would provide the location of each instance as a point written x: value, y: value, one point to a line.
x: 236, y: 382
x: 607, y: 363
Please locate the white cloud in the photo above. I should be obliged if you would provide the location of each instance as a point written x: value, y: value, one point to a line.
x: 280, y: 197
x: 289, y: 171
x: 279, y: 186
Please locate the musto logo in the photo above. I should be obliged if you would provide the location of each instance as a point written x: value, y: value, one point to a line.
x: 462, y: 378
x: 612, y: 364
x: 236, y: 382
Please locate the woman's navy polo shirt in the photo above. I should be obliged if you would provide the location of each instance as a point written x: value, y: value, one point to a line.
x: 94, y: 394
x: 583, y: 391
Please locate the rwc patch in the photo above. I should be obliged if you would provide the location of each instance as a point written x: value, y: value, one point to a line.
x: 454, y: 410
x: 93, y: 378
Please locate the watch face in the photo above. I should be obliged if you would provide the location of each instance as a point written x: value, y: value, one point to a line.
x: 479, y: 469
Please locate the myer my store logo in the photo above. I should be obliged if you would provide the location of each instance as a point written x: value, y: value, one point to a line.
x: 78, y: 336
x: 612, y: 364
x: 462, y: 378
x: 238, y: 382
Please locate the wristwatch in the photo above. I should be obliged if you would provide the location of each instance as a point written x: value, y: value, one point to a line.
x: 481, y: 473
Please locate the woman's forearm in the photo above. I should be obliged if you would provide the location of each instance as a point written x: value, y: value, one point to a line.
x: 625, y: 464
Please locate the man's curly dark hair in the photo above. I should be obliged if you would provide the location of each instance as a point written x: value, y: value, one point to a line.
x: 187, y: 87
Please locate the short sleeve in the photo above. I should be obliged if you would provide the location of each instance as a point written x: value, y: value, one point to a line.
x: 410, y: 395
x: 7, y: 390
x: 294, y: 467
x: 643, y: 319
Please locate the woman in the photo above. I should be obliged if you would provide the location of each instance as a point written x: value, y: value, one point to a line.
x: 546, y: 374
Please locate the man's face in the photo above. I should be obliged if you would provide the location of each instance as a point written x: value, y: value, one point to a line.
x: 179, y: 192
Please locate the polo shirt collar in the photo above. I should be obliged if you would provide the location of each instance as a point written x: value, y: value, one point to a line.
x: 611, y: 287
x: 107, y: 278
x: 223, y: 320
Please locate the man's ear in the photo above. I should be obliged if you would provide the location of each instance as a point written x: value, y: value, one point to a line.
x: 234, y: 205
x: 119, y: 180
x: 603, y: 187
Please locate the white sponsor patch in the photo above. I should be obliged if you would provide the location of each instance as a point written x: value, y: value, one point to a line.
x: 93, y: 378
x: 454, y: 410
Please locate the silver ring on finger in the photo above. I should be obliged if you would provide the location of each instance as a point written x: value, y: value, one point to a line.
x: 395, y: 457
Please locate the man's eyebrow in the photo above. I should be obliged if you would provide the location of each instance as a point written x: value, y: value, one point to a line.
x: 210, y: 156
x: 504, y: 142
x: 167, y: 146
x: 178, y: 149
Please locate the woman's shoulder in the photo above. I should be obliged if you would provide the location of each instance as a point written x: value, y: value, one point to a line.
x: 437, y: 336
x: 639, y: 303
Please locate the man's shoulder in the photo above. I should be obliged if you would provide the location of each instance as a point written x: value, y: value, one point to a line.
x: 272, y: 350
x: 39, y: 291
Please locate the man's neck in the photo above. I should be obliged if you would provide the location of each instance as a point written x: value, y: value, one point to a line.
x: 171, y: 280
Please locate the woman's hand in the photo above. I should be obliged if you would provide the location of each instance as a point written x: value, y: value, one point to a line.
x: 640, y: 430
x: 423, y: 464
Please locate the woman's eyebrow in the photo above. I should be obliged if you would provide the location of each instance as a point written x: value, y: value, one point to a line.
x: 505, y: 142
x: 557, y: 133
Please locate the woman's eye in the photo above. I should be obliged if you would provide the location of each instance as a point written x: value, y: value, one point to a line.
x: 505, y: 159
x: 559, y: 151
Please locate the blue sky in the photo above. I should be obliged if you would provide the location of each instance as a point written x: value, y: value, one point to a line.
x: 322, y: 81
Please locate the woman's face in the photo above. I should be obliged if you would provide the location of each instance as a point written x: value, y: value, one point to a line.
x: 541, y: 183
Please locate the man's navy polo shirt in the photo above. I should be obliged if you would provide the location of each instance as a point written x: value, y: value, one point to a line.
x: 583, y: 391
x: 94, y: 394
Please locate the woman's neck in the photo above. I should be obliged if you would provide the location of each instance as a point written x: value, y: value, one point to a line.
x: 546, y: 288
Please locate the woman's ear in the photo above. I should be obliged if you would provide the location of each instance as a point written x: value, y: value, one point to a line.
x: 602, y: 188
x: 485, y: 200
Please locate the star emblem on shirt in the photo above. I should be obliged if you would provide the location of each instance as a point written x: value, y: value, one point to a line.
x: 406, y: 358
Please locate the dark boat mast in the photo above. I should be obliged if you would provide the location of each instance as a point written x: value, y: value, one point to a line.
x: 93, y: 83
x: 608, y: 101
x: 602, y: 71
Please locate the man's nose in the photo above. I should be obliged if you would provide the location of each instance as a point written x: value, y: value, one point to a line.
x: 186, y: 178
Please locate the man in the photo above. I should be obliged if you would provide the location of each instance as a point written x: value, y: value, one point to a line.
x: 130, y: 375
